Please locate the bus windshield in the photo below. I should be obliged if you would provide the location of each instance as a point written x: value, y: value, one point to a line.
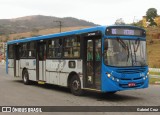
x: 122, y: 53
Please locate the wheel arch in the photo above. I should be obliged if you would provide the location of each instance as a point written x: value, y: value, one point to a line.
x: 23, y: 71
x: 71, y: 74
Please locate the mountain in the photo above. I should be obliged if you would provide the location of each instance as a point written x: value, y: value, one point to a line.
x: 38, y: 22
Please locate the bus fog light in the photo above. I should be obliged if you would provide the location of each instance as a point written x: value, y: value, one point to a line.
x: 144, y: 78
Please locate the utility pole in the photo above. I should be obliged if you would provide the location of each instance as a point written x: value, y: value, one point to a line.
x: 60, y: 25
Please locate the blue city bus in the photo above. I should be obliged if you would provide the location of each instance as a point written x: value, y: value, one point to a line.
x: 104, y: 58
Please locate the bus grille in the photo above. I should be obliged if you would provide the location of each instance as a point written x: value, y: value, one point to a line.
x: 131, y: 71
x: 129, y: 79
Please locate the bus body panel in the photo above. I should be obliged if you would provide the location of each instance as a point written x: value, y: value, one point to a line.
x: 120, y: 81
x: 17, y: 68
x: 42, y: 70
x: 57, y: 71
x: 30, y: 65
x: 32, y: 75
x: 11, y: 67
x: 51, y: 78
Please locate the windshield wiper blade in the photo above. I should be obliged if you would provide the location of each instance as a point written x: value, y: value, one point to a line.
x: 123, y: 44
x: 136, y: 48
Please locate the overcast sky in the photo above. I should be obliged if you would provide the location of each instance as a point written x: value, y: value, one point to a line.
x: 103, y: 12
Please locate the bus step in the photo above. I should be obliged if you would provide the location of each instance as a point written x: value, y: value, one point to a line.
x: 41, y: 82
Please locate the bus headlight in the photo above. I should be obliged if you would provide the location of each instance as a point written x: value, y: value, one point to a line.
x: 109, y: 75
x: 144, y: 78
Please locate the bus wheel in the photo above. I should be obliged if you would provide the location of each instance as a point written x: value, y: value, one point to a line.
x: 25, y: 77
x: 75, y: 86
x: 111, y: 93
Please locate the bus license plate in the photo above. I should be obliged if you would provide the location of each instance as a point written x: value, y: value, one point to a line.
x: 131, y: 84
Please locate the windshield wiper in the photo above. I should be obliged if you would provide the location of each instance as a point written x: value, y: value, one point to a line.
x: 135, y: 48
x: 123, y: 44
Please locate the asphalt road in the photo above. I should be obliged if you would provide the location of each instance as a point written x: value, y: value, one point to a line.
x: 15, y: 93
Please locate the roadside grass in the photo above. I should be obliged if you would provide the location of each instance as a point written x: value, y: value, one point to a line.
x: 153, y: 51
x: 154, y: 81
x: 154, y: 73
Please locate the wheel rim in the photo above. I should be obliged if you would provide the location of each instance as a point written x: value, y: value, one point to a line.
x: 25, y: 77
x: 75, y: 84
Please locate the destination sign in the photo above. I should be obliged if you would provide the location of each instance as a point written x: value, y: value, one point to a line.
x: 125, y: 32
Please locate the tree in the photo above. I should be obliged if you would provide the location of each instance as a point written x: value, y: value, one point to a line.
x: 119, y: 22
x: 151, y: 14
x: 139, y: 23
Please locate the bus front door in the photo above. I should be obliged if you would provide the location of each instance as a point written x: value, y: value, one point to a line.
x: 41, y: 60
x: 16, y: 60
x: 92, y: 63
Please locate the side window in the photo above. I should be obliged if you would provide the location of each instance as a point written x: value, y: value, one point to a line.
x: 10, y: 51
x: 31, y: 50
x: 54, y: 48
x: 24, y: 51
x: 98, y: 49
x: 72, y: 47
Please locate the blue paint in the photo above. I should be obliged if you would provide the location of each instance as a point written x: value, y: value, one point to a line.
x: 109, y: 85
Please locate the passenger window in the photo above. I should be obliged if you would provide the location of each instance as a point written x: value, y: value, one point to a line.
x: 55, y: 48
x: 10, y: 51
x: 32, y: 50
x: 98, y: 49
x: 72, y: 47
x: 24, y: 51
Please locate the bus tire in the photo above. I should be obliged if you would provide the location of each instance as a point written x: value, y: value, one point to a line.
x: 111, y: 93
x: 25, y: 77
x: 75, y: 86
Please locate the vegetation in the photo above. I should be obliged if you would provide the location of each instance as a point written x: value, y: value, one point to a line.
x: 154, y: 73
x: 4, y: 38
x: 139, y: 24
x: 120, y: 21
x: 154, y: 80
x: 151, y: 14
x: 153, y: 38
x: 153, y: 46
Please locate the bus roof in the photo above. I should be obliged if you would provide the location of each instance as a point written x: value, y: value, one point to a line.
x: 74, y: 32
